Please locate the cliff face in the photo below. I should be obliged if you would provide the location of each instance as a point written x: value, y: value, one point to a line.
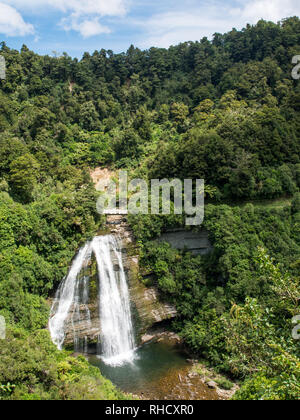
x: 85, y: 328
x: 147, y: 307
x: 197, y: 243
x: 83, y: 319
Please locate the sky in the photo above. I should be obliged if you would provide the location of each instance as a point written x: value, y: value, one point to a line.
x: 76, y: 26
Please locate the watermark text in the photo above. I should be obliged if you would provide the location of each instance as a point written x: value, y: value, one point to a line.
x: 159, y: 197
x: 2, y: 67
x: 2, y: 328
x: 296, y: 69
x: 296, y: 329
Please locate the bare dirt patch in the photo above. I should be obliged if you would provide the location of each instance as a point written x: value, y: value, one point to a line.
x: 100, y: 174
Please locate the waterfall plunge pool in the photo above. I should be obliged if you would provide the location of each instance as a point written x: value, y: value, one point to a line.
x: 160, y: 371
x: 154, y: 373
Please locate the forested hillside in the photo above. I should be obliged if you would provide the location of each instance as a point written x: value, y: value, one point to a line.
x: 225, y: 110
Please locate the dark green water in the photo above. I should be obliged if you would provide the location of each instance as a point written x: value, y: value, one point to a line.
x: 153, y: 362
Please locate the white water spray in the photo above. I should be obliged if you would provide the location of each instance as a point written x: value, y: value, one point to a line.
x: 117, y: 337
x: 66, y: 297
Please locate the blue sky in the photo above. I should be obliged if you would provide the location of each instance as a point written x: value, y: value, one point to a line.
x: 76, y: 26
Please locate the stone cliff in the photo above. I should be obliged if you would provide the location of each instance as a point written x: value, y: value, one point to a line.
x: 197, y: 243
x: 148, y: 308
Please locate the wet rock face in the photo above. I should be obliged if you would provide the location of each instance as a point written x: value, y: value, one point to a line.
x: 85, y: 329
x: 212, y: 385
x: 148, y: 306
x: 148, y: 309
x: 197, y: 243
x: 83, y: 320
x: 158, y: 336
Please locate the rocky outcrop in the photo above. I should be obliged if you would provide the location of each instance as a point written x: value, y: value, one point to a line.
x: 148, y: 308
x: 83, y: 319
x: 87, y: 329
x: 161, y: 335
x: 197, y: 243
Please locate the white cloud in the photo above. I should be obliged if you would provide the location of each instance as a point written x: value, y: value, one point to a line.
x: 86, y: 27
x: 79, y: 7
x: 88, y: 7
x: 273, y: 10
x: 196, y: 21
x: 83, y: 16
x: 177, y: 21
x: 12, y: 23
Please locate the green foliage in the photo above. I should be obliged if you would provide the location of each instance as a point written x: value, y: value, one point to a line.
x: 31, y: 368
x: 24, y: 172
x: 236, y: 304
x: 254, y: 346
x: 224, y: 384
x: 296, y: 204
x: 224, y: 110
x: 284, y: 387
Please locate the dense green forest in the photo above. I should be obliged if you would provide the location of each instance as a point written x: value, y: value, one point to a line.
x: 225, y: 110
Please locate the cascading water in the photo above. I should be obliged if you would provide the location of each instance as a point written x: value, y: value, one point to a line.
x: 67, y: 296
x: 117, y: 337
x: 81, y: 312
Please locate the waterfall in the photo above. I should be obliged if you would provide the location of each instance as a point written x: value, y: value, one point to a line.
x: 67, y: 297
x: 117, y: 337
